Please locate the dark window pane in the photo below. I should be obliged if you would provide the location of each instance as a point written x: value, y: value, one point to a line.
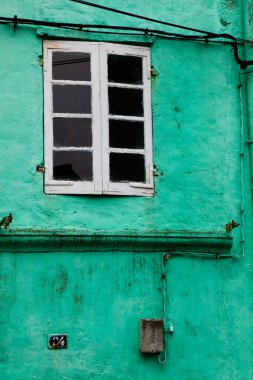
x: 71, y: 66
x: 74, y: 166
x: 127, y: 167
x: 72, y: 132
x: 126, y: 134
x: 125, y: 101
x: 124, y: 69
x: 71, y: 99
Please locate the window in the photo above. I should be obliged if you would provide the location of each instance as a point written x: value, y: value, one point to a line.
x: 98, y: 135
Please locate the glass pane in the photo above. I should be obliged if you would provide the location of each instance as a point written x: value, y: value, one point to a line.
x: 125, y: 101
x: 126, y: 134
x: 127, y: 167
x: 71, y: 99
x: 124, y: 69
x: 72, y: 132
x: 73, y: 165
x: 71, y: 66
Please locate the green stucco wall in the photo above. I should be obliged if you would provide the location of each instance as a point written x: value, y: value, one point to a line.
x: 97, y: 291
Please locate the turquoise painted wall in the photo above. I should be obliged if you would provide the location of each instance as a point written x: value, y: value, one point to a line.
x: 98, y: 295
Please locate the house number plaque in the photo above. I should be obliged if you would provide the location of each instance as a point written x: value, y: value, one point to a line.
x: 58, y: 341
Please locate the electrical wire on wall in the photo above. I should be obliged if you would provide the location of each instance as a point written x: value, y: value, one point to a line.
x: 168, y: 329
x: 240, y: 87
x: 234, y: 41
x: 204, y: 36
x: 162, y: 358
x: 167, y: 323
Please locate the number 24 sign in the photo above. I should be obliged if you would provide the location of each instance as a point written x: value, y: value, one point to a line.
x: 58, y: 341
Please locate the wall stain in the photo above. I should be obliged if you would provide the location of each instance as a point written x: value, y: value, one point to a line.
x: 61, y: 281
x: 231, y: 3
x: 90, y: 272
x: 78, y: 297
x: 192, y: 329
x: 178, y: 112
x: 250, y: 12
x: 226, y: 10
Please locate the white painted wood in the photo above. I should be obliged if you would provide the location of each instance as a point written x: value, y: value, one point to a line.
x: 100, y: 120
x: 48, y: 129
x: 68, y: 187
x: 73, y: 115
x: 61, y: 183
x: 72, y: 148
x: 70, y: 82
x: 125, y: 85
x: 96, y: 120
x: 140, y: 185
x: 148, y: 120
x: 126, y: 150
x: 104, y: 116
x: 124, y: 188
x: 130, y: 118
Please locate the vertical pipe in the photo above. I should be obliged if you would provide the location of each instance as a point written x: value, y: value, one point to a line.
x: 248, y: 78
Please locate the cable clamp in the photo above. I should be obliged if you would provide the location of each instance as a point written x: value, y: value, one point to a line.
x: 15, y: 23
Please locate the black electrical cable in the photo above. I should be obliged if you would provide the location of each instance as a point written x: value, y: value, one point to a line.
x: 244, y: 64
x: 75, y: 26
x: 143, y: 17
x: 148, y: 32
x: 210, y: 34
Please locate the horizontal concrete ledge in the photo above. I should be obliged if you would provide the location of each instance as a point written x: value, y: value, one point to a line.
x: 66, y: 241
x: 92, y: 34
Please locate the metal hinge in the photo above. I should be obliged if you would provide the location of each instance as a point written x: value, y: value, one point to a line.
x: 40, y: 169
x: 154, y: 73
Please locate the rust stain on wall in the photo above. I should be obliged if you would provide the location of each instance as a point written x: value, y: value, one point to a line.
x: 62, y: 280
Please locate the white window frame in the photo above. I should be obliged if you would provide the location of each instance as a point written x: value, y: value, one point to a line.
x: 101, y: 183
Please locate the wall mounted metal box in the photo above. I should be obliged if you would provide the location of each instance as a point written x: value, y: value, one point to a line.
x: 151, y: 336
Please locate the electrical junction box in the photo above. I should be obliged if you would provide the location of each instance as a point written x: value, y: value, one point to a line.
x: 151, y: 336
